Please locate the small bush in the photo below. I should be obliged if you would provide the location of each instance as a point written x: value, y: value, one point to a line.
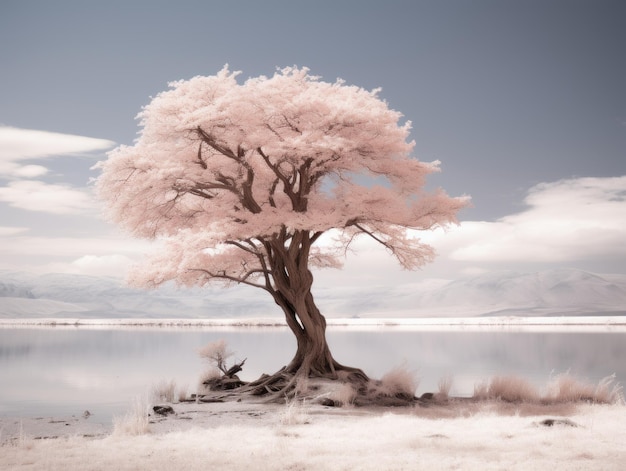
x: 216, y: 353
x: 344, y: 394
x: 398, y: 382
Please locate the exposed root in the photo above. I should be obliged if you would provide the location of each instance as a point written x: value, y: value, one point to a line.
x: 346, y: 386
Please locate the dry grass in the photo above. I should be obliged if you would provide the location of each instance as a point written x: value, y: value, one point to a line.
x: 563, y: 389
x: 512, y: 389
x: 211, y: 373
x: 183, y: 393
x: 398, y: 382
x: 295, y: 412
x: 344, y: 394
x: 165, y: 391
x: 566, y: 388
x: 444, y: 386
x: 135, y: 422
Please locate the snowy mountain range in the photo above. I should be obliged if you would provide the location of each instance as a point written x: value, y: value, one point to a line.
x: 555, y: 292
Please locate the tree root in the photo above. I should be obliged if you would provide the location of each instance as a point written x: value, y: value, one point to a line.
x: 346, y: 386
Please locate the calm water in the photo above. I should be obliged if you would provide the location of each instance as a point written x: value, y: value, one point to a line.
x: 56, y: 371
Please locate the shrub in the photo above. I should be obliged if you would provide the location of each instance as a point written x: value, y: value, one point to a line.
x: 398, y: 382
x: 344, y: 394
x: 216, y: 353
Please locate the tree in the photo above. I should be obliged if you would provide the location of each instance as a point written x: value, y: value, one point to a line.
x: 241, y: 181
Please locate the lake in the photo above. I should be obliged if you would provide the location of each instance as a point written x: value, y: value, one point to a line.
x: 62, y: 371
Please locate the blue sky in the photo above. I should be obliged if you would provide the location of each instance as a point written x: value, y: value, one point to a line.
x: 522, y: 101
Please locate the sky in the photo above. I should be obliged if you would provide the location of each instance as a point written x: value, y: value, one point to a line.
x: 523, y: 102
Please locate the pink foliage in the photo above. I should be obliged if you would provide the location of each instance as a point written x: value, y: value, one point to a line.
x: 221, y: 166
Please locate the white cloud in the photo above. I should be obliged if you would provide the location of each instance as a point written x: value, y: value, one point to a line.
x: 18, y: 145
x: 73, y: 247
x: 10, y: 231
x: 568, y: 220
x: 104, y: 265
x: 33, y: 195
x: 576, y: 223
x: 30, y: 171
x: 24, y: 144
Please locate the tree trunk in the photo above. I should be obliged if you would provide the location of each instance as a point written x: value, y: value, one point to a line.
x: 312, y: 357
x: 292, y: 292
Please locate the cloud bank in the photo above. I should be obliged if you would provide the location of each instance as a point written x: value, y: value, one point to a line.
x: 22, y: 152
x: 565, y: 221
x: 575, y: 222
x: 19, y: 145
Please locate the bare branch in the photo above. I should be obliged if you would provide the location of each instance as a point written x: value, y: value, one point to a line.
x: 235, y: 279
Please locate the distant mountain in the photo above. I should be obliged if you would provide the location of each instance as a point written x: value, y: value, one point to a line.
x: 571, y: 292
x: 556, y: 292
x: 79, y: 296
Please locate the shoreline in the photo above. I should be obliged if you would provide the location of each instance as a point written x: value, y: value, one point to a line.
x: 210, y: 414
x: 240, y: 436
x: 618, y: 322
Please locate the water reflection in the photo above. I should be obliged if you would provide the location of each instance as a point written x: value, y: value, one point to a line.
x: 54, y: 371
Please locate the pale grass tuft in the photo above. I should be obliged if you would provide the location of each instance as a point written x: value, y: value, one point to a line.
x: 183, y: 393
x: 398, y: 382
x: 164, y: 391
x: 211, y: 373
x: 135, y: 422
x: 563, y: 389
x: 295, y: 412
x: 481, y: 390
x: 567, y: 388
x: 509, y: 389
x: 22, y: 441
x: 444, y: 386
x: 345, y: 394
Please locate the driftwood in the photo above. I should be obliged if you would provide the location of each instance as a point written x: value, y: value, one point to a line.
x: 236, y: 368
x: 229, y: 380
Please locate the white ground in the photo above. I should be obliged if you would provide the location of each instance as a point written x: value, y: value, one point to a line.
x: 242, y: 436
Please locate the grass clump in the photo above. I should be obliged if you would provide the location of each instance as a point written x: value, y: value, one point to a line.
x: 295, y: 412
x: 398, y: 382
x: 135, y: 422
x: 566, y: 388
x: 164, y: 391
x: 563, y: 389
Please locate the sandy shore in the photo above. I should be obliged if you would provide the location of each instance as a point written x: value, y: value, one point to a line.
x: 301, y: 437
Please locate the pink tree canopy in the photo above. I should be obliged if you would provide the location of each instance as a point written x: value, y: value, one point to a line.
x: 221, y: 167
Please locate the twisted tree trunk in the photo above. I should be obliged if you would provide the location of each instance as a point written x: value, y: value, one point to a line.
x: 291, y: 288
x: 312, y: 357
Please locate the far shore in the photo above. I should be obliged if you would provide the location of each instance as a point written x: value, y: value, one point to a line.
x: 533, y: 322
